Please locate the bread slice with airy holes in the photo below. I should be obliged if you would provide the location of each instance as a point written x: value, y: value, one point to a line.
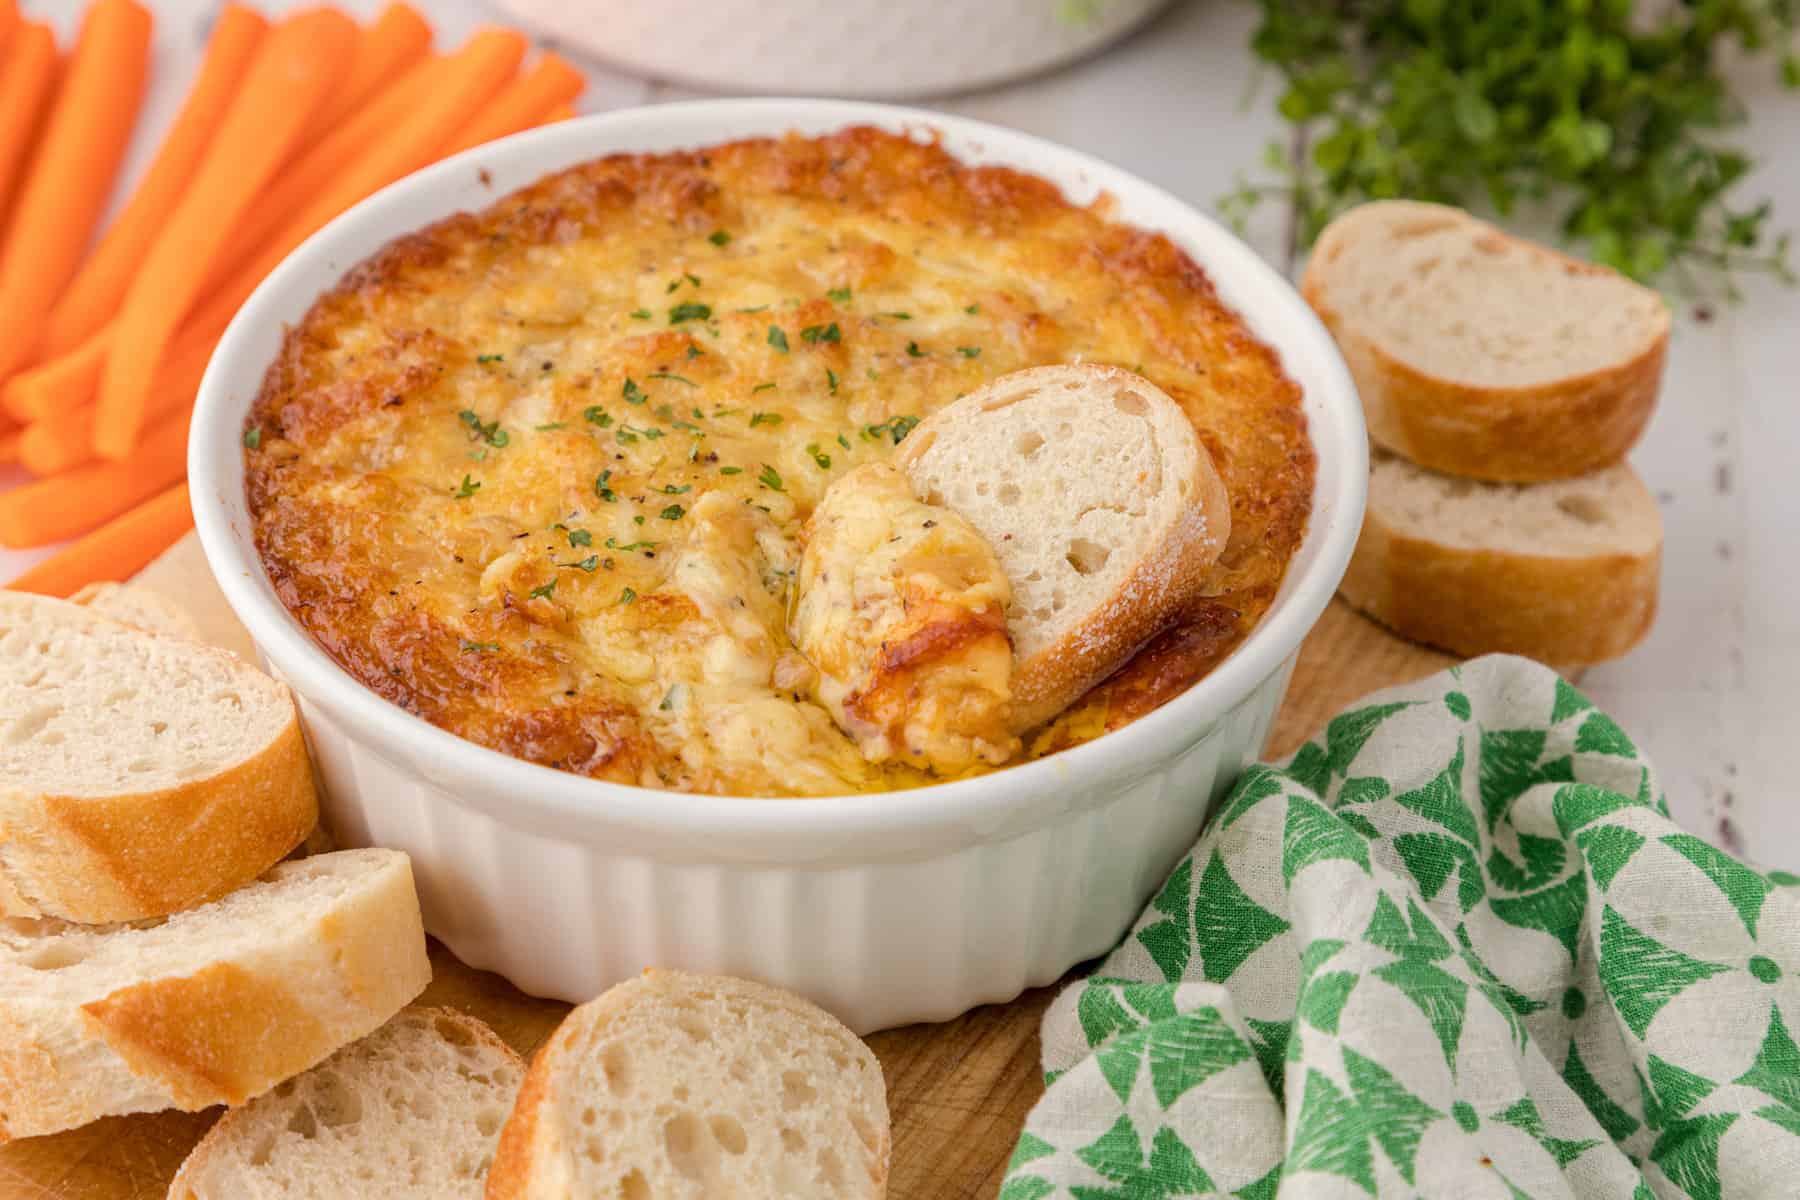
x: 136, y: 607
x: 1105, y: 511
x: 1564, y: 572
x: 140, y: 774
x: 211, y: 1006
x: 411, y: 1112
x: 1483, y: 355
x: 697, y: 1087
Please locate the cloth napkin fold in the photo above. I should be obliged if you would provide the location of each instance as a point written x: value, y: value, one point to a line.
x: 1452, y: 947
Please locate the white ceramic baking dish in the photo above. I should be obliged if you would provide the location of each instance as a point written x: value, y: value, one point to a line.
x: 884, y: 908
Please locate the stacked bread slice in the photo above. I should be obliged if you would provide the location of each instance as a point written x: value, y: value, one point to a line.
x: 159, y: 952
x: 1503, y: 384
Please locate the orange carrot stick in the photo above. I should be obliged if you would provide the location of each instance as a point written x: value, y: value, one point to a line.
x: 9, y: 21
x: 399, y: 38
x: 73, y: 171
x: 58, y: 383
x: 11, y: 445
x: 27, y: 77
x: 98, y: 288
x: 458, y: 87
x: 562, y: 112
x: 301, y: 58
x: 325, y: 161
x: 63, y: 438
x: 521, y: 104
x: 116, y: 551
x: 79, y: 500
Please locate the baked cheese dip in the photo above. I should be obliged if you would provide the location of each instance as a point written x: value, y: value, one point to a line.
x: 542, y: 474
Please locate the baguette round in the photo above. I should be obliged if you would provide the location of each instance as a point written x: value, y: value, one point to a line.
x: 1562, y: 572
x: 1103, y: 507
x: 411, y: 1112
x: 214, y: 1005
x: 696, y: 1087
x: 1482, y: 355
x: 139, y: 774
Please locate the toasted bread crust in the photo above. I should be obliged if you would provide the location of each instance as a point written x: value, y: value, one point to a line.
x: 148, y: 854
x: 224, y: 1032
x: 1167, y: 583
x: 1505, y: 435
x: 1565, y: 611
x: 241, y: 1122
x: 527, y: 1162
x: 1524, y: 434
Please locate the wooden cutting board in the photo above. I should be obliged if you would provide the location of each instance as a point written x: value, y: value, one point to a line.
x: 958, y: 1091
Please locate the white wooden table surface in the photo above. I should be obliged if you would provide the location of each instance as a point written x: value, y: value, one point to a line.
x: 1711, y: 695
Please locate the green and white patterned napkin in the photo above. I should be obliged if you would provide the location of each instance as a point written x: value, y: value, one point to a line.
x: 1453, y: 947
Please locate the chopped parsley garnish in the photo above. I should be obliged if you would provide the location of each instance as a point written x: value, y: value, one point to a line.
x: 691, y: 428
x: 675, y: 378
x: 665, y: 412
x: 824, y: 460
x: 969, y: 351
x: 640, y: 314
x: 673, y: 513
x: 632, y: 393
x: 843, y: 441
x: 628, y: 434
x: 469, y: 488
x: 972, y: 309
x: 694, y: 351
x: 757, y: 309
x: 490, y: 358
x: 729, y: 412
x: 691, y: 278
x: 764, y: 418
x: 895, y: 427
x: 491, y: 433
x: 596, y: 415
x: 580, y: 537
x: 778, y: 339
x: 831, y: 380
x: 601, y: 489
x: 671, y: 489
x: 544, y: 592
x: 731, y: 470
x: 550, y: 426
x: 770, y: 478
x: 912, y: 350
x: 615, y: 544
x: 838, y: 295
x: 670, y: 697
x: 814, y: 334
x: 469, y: 647
x: 626, y: 596
x: 689, y: 312
x: 590, y: 564
x: 253, y: 437
x: 761, y: 387
x: 898, y: 316
x: 719, y: 237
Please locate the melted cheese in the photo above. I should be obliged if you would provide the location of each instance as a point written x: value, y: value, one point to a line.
x: 542, y: 474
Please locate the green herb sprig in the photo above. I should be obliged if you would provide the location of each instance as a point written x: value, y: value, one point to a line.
x: 1608, y: 111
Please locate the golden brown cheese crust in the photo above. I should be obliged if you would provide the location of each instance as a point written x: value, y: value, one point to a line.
x: 900, y: 608
x: 477, y: 464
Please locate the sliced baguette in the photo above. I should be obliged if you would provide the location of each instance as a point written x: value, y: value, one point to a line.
x: 1482, y: 355
x: 138, y: 608
x: 1563, y: 572
x: 696, y: 1087
x: 411, y: 1112
x: 212, y: 1006
x: 139, y: 774
x: 1101, y: 503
